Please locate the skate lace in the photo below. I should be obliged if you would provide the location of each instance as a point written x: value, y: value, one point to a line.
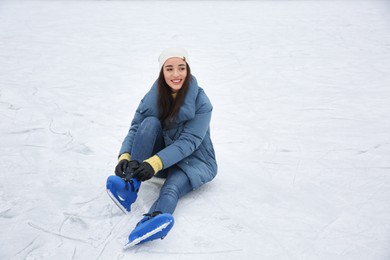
x: 130, y: 183
x: 152, y: 215
x: 149, y: 216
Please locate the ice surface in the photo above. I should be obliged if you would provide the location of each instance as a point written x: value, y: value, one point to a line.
x: 301, y: 127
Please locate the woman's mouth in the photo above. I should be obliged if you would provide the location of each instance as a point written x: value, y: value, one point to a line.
x: 176, y: 81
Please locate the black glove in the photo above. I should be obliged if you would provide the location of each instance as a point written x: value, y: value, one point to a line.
x: 125, y: 168
x: 121, y: 168
x: 131, y: 167
x: 144, y: 172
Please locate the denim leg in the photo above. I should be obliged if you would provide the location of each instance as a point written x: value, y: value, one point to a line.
x: 175, y: 186
x: 148, y: 140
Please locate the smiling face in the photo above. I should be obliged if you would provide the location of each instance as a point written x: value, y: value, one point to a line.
x: 175, y: 72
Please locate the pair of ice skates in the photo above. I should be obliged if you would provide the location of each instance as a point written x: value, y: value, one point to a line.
x: 153, y: 226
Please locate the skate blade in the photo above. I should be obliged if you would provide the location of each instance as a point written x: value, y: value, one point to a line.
x: 149, y: 234
x: 117, y: 202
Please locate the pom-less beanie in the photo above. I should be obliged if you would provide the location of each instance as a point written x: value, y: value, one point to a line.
x: 172, y: 53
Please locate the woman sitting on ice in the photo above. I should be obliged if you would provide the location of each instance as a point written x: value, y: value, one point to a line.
x: 169, y: 137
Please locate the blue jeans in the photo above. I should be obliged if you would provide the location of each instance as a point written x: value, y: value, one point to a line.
x: 147, y: 142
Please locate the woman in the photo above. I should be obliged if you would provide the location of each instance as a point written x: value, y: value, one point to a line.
x: 169, y: 137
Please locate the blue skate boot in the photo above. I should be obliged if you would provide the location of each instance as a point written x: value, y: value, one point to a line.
x: 123, y: 192
x: 152, y: 226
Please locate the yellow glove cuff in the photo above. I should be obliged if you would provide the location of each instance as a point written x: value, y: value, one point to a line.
x: 125, y: 156
x: 155, y: 162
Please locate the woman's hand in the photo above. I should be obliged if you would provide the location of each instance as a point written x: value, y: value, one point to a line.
x: 144, y: 172
x: 121, y: 168
x: 125, y: 168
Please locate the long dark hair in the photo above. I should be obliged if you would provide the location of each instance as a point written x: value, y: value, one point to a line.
x: 169, y: 107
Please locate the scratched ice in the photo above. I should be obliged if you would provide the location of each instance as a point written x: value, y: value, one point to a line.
x: 301, y: 127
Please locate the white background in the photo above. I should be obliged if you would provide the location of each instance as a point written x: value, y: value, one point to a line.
x: 301, y: 127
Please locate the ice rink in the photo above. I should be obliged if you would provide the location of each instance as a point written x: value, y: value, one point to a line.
x: 301, y: 127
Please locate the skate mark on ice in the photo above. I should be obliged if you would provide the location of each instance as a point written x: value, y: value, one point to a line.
x: 111, y: 236
x: 26, y: 131
x: 26, y: 247
x: 5, y: 214
x: 74, y: 220
x: 58, y: 133
x: 57, y: 234
x: 88, y: 201
x: 36, y: 146
x: 315, y: 109
x: 211, y: 252
x: 80, y: 148
x: 74, y: 253
x: 375, y: 147
x: 30, y: 251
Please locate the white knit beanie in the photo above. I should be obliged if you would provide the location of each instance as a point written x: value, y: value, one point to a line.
x: 172, y: 53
